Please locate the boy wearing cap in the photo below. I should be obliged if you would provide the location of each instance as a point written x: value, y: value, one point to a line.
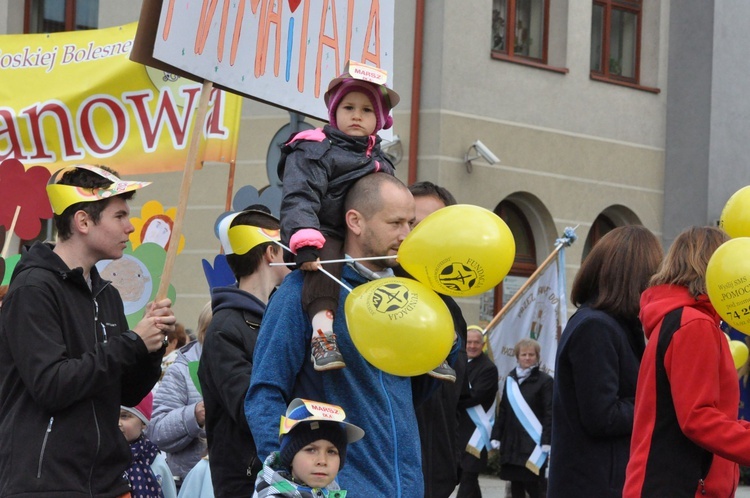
x: 67, y: 358
x: 318, y: 167
x: 226, y: 363
x: 313, y: 439
x: 149, y: 474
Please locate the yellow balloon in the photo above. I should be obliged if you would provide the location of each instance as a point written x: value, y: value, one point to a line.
x: 739, y: 353
x: 459, y: 250
x: 728, y: 282
x: 735, y: 217
x: 399, y: 325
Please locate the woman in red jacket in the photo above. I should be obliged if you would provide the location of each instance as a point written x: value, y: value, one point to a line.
x: 686, y: 440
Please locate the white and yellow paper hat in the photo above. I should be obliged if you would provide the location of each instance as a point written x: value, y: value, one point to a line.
x: 240, y: 239
x: 304, y: 410
x: 63, y: 196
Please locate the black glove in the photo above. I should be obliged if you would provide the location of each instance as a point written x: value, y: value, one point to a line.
x: 306, y: 254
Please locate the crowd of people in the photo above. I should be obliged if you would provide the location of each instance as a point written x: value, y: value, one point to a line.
x: 270, y: 397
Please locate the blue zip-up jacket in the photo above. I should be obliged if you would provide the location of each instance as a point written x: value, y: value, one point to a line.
x: 387, y: 462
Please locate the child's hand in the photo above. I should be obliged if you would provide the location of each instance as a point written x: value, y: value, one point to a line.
x: 200, y: 413
x: 311, y: 265
x: 307, y: 258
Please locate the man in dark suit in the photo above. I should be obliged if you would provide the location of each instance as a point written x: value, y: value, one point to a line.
x: 437, y: 416
x: 475, y: 406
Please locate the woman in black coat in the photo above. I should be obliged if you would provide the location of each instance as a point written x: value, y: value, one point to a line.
x: 515, y: 443
x: 597, y: 364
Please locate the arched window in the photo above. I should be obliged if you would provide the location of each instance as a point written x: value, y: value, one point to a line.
x: 602, y: 225
x: 525, y: 263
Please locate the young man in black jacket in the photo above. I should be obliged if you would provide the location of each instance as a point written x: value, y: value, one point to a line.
x: 227, y: 359
x: 67, y: 358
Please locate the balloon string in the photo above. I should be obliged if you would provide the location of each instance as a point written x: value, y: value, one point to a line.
x: 345, y: 260
x: 320, y: 267
x: 342, y: 284
x: 277, y: 242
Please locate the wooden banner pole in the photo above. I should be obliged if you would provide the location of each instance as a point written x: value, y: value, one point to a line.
x: 11, y: 230
x: 230, y: 186
x: 187, y: 180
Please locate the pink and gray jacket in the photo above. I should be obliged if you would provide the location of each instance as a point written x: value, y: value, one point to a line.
x: 317, y: 168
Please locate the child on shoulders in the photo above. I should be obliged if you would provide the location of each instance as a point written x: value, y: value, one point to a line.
x: 317, y: 168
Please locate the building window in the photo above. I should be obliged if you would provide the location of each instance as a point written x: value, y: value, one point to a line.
x: 50, y: 16
x: 524, y: 264
x: 602, y: 225
x: 520, y: 28
x: 616, y: 39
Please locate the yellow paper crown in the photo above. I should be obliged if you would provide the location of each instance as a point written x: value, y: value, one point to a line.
x: 240, y: 239
x: 63, y: 196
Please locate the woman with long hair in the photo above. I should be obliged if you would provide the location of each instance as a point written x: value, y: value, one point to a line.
x: 597, y: 366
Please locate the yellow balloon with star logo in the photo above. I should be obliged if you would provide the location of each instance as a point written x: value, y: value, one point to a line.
x: 459, y: 250
x: 399, y: 325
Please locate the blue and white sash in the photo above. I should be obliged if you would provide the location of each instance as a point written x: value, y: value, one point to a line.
x: 529, y: 422
x: 483, y: 420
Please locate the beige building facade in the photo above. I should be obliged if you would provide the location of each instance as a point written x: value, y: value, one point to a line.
x: 572, y: 148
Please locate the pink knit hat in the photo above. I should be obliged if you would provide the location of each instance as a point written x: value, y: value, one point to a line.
x: 143, y: 409
x: 383, y: 99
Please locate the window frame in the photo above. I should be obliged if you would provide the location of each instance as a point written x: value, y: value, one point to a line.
x: 70, y: 15
x: 509, y: 55
x: 634, y: 7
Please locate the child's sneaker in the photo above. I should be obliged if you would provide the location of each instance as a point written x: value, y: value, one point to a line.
x: 325, y: 352
x: 443, y: 372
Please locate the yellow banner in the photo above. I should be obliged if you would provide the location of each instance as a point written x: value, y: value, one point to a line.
x: 75, y: 97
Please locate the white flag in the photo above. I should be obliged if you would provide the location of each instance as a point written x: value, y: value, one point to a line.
x: 537, y: 312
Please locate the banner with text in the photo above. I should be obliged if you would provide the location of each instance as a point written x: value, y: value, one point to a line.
x: 75, y: 97
x: 539, y: 313
x: 280, y: 52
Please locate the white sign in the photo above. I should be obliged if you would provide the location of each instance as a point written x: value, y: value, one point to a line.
x: 283, y: 52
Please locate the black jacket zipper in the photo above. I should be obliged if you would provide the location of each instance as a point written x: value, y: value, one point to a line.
x: 44, y: 447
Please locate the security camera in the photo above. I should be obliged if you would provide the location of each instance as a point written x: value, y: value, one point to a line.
x: 386, y: 144
x: 393, y: 149
x: 485, y: 152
